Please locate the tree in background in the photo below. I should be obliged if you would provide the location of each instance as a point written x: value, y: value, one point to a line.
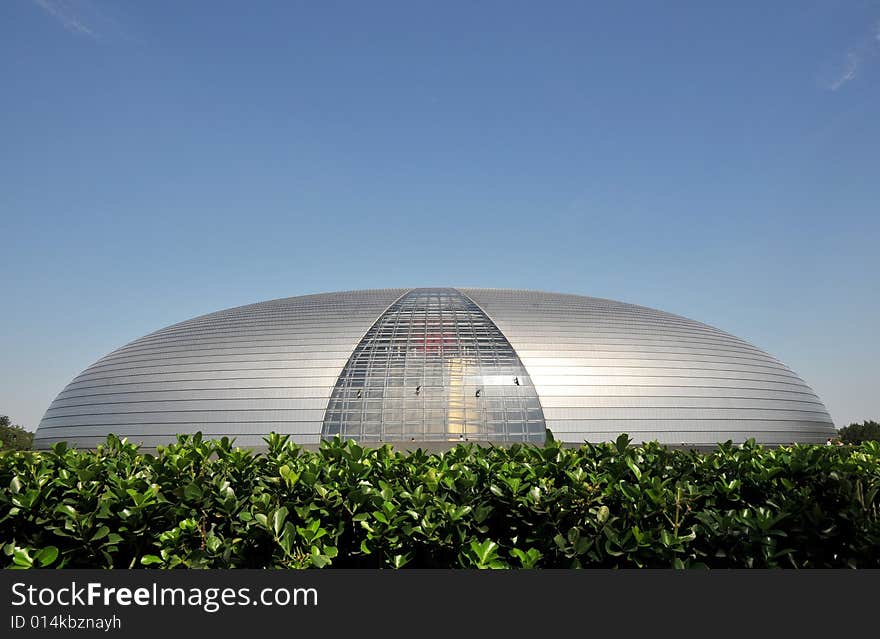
x: 14, y: 437
x: 858, y: 433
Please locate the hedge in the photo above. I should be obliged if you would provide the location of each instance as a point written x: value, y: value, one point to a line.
x: 208, y: 504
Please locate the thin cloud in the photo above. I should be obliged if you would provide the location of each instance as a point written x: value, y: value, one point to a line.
x: 67, y: 14
x: 850, y: 70
x: 856, y: 58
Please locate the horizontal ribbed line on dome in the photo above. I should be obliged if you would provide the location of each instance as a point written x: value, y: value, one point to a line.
x: 349, y: 326
x: 545, y: 390
x: 305, y: 382
x: 602, y: 336
x: 207, y: 376
x: 218, y: 386
x: 549, y: 387
x: 667, y: 401
x: 672, y: 374
x: 652, y: 363
x: 589, y: 321
x: 307, y: 403
x: 547, y: 339
x: 712, y: 438
x: 158, y: 370
x: 312, y: 401
x: 709, y: 355
x: 536, y: 342
x: 223, y: 348
x: 291, y: 332
x: 600, y: 390
x: 561, y: 337
x: 196, y: 345
x: 681, y: 412
x: 152, y: 420
x: 647, y: 431
x: 296, y: 407
x: 538, y: 380
x: 665, y: 432
x: 113, y: 382
x: 325, y: 317
x: 518, y: 311
x: 559, y: 306
x: 297, y: 346
x: 296, y: 362
x: 562, y: 370
x: 284, y: 392
x: 170, y: 428
x: 332, y: 314
x: 301, y: 364
x: 331, y: 301
x: 282, y: 310
x: 313, y: 299
x: 149, y: 441
x: 200, y: 338
x: 258, y: 416
x: 559, y: 423
x: 189, y: 405
x: 326, y: 314
x: 292, y: 427
x: 263, y: 310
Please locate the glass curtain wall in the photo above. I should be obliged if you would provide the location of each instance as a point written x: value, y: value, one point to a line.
x: 434, y: 367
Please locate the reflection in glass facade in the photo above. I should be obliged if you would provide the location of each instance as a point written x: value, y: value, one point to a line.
x: 434, y: 367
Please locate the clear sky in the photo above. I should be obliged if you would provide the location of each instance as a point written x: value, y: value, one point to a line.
x: 161, y: 160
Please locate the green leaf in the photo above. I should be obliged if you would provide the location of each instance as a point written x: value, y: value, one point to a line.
x: 602, y: 514
x: 635, y: 469
x: 67, y: 510
x: 527, y: 559
x: 278, y: 519
x: 319, y: 560
x: 21, y: 557
x: 100, y: 533
x: 287, y: 538
x: 148, y: 560
x: 666, y: 538
x: 46, y: 556
x: 212, y: 543
x: 485, y: 551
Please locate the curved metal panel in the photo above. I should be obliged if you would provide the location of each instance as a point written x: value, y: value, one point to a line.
x: 603, y: 367
x: 242, y: 372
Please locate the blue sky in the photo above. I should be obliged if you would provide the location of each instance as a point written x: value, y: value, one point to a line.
x: 160, y: 160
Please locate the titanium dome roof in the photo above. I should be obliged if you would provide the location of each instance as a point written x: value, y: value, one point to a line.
x: 438, y: 364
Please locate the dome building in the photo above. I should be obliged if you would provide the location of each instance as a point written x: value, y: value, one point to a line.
x: 438, y: 365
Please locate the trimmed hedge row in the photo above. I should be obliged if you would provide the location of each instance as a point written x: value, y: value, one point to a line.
x: 207, y: 504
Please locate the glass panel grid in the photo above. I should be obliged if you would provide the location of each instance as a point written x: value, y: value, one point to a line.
x: 434, y: 367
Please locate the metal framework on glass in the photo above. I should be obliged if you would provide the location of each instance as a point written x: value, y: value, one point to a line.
x: 434, y: 367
